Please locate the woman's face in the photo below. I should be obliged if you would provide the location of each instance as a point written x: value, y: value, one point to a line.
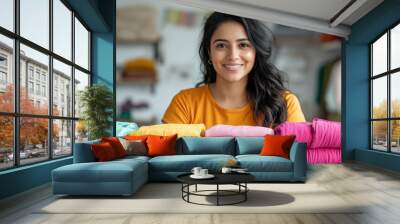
x: 231, y: 52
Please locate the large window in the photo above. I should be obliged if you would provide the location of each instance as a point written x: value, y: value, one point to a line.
x: 44, y: 64
x: 385, y: 95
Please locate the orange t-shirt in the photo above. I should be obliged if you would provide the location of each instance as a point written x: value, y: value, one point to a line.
x: 197, y: 106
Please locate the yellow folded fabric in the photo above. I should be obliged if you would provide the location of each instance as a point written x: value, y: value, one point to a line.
x: 140, y: 64
x: 192, y: 130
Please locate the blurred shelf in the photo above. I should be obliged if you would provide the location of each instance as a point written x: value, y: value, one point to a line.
x: 335, y: 45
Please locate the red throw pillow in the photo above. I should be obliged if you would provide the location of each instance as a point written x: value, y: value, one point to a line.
x: 277, y: 145
x: 103, y: 151
x: 161, y: 145
x: 116, y: 145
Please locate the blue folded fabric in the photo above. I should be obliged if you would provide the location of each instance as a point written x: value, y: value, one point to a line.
x: 124, y: 128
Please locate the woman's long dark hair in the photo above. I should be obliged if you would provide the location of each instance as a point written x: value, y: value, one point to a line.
x: 265, y: 83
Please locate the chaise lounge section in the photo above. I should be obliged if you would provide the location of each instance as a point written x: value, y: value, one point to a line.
x: 88, y: 177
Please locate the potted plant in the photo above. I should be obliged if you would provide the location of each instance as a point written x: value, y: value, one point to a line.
x: 96, y: 103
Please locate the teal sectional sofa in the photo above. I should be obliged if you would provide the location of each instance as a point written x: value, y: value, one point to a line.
x: 125, y: 176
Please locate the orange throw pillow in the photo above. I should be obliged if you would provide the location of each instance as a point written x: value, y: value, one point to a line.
x: 161, y: 145
x: 277, y: 145
x: 103, y: 152
x: 116, y: 145
x: 135, y: 138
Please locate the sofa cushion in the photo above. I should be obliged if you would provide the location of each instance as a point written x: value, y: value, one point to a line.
x: 83, y: 152
x: 257, y: 163
x: 185, y: 163
x: 131, y: 158
x: 249, y: 145
x: 206, y: 145
x: 112, y: 171
x: 118, y: 177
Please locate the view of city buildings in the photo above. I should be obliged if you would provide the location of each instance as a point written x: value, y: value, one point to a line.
x: 34, y: 78
x: 34, y: 82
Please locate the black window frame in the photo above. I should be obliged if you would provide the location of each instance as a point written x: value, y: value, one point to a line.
x: 16, y: 115
x: 388, y: 74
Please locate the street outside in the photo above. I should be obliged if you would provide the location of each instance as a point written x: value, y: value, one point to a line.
x: 33, y: 155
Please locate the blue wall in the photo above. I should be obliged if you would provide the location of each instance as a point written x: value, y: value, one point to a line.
x: 99, y: 16
x: 24, y: 178
x: 356, y: 101
x: 103, y: 53
x: 355, y: 97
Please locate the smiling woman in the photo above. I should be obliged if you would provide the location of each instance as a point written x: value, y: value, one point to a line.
x: 240, y: 85
x: 231, y: 54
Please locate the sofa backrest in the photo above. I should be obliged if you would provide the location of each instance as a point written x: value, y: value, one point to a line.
x: 190, y: 146
x: 83, y: 152
x: 206, y: 145
x: 249, y: 145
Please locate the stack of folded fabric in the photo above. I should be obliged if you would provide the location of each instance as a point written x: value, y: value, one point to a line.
x: 302, y: 130
x: 221, y: 130
x: 326, y: 144
x: 124, y: 128
x: 140, y: 69
x: 192, y: 130
x: 323, y: 139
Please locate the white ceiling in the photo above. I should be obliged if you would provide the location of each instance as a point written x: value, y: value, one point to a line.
x: 314, y: 15
x: 320, y: 9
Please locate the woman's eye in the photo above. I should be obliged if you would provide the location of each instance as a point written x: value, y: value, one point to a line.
x: 220, y: 45
x: 244, y: 45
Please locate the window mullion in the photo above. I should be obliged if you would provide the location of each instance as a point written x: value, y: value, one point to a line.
x: 50, y: 81
x: 73, y: 82
x: 389, y: 106
x: 371, y: 89
x: 89, y: 53
x: 16, y: 84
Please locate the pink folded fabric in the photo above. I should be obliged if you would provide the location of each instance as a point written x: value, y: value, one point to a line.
x: 326, y: 134
x: 221, y: 130
x: 324, y: 155
x: 302, y: 130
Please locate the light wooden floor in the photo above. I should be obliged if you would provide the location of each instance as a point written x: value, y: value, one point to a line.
x: 378, y: 188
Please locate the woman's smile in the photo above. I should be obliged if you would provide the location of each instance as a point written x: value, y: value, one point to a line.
x: 233, y: 67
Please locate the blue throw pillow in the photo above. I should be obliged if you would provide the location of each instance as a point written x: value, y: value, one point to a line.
x: 249, y: 145
x: 206, y: 145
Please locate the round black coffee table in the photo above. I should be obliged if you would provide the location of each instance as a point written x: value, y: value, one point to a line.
x: 238, y: 179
